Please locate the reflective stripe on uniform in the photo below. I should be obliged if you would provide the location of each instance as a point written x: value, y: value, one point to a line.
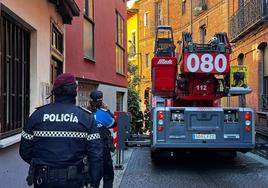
x: 93, y: 136
x: 26, y: 135
x: 69, y: 134
x: 60, y: 134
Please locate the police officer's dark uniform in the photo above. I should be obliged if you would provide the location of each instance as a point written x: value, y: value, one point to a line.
x: 105, y: 120
x: 57, y: 138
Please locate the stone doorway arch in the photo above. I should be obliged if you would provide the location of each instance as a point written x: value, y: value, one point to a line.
x: 263, y: 76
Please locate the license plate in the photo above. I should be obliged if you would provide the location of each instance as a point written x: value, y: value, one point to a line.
x: 204, y: 136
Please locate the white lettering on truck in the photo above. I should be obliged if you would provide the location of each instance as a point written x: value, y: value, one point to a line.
x: 164, y: 62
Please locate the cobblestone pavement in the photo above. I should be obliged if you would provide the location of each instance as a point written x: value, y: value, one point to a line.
x: 246, y: 171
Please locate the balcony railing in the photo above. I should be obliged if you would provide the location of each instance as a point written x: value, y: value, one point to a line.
x: 264, y: 102
x: 248, y: 17
x: 132, y: 51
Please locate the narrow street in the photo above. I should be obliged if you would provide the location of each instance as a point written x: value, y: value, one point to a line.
x: 83, y: 79
x: 247, y: 170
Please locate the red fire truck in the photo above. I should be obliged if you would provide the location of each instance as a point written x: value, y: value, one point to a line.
x: 185, y: 113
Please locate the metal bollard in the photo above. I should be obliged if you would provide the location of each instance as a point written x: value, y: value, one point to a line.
x: 119, y: 159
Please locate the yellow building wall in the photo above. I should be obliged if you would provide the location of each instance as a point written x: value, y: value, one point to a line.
x: 132, y: 27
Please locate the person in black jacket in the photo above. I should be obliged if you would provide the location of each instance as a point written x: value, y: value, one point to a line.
x: 105, y: 120
x: 61, y: 141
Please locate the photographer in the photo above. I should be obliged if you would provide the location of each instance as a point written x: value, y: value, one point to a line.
x: 105, y: 120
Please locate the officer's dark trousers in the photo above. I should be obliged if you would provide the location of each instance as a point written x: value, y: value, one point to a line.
x: 57, y: 179
x: 108, y: 170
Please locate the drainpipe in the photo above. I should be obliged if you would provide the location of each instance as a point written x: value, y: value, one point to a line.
x: 191, y: 16
x: 228, y: 34
x: 138, y: 50
x: 227, y: 18
x: 140, y: 55
x: 167, y: 12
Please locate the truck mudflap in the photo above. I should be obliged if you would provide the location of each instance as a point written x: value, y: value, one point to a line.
x: 209, y: 127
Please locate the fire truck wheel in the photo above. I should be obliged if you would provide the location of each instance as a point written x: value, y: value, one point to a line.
x: 228, y: 155
x: 154, y: 155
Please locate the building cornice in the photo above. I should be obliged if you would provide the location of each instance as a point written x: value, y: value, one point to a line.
x: 67, y: 9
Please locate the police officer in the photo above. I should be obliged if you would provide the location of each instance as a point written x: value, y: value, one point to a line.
x: 62, y: 142
x: 105, y: 120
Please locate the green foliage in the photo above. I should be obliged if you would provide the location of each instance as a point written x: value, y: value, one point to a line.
x: 133, y: 79
x: 133, y: 99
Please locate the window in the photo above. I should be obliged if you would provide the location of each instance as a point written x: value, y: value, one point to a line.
x: 57, y: 39
x: 120, y: 51
x: 119, y: 30
x: 146, y: 93
x: 265, y: 75
x: 132, y: 49
x: 240, y: 59
x: 119, y: 101
x: 158, y: 20
x: 244, y: 2
x: 146, y: 21
x: 57, y: 57
x: 56, y: 68
x: 89, y: 29
x: 203, y: 4
x: 133, y: 39
x: 199, y: 7
x: 147, y: 60
x: 263, y: 60
x: 15, y: 75
x: 242, y: 99
x: 183, y: 7
x: 83, y: 93
x: 203, y: 32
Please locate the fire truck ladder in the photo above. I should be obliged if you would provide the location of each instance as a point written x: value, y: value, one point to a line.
x: 219, y: 43
x: 164, y: 42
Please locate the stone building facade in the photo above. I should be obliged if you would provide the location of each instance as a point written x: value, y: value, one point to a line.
x: 249, y: 36
x: 31, y: 41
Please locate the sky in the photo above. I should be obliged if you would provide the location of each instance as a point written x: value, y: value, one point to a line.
x: 130, y: 3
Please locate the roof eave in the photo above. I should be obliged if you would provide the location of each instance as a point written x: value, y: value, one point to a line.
x: 67, y: 9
